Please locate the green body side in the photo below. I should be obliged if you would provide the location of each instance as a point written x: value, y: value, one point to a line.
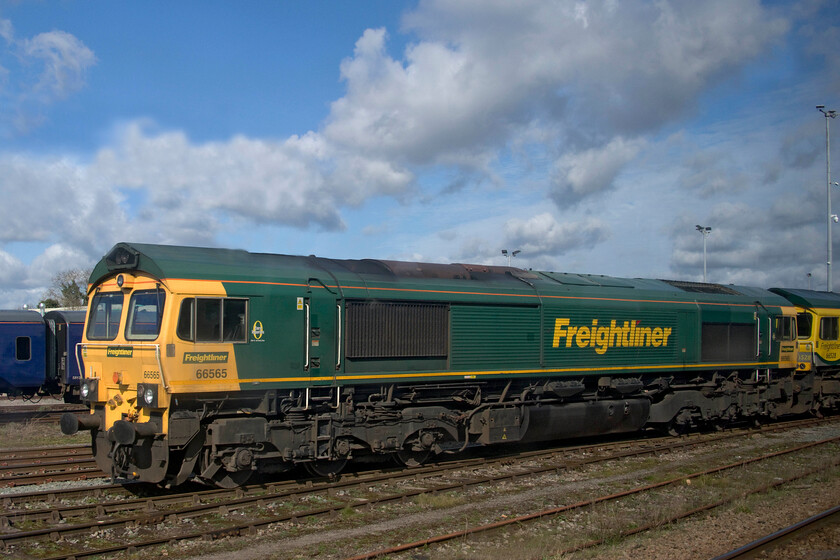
x: 502, y: 321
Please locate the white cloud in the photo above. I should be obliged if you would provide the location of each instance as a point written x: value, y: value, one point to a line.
x: 591, y: 171
x: 483, y: 73
x: 302, y: 181
x: 65, y: 59
x: 38, y: 72
x: 544, y: 235
x: 12, y: 270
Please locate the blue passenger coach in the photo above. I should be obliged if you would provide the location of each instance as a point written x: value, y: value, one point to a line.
x: 38, y: 353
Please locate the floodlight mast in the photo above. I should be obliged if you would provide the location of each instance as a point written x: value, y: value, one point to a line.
x: 510, y: 254
x: 828, y: 114
x: 705, y: 231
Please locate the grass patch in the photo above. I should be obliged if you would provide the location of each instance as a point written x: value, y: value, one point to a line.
x: 434, y: 501
x: 37, y: 434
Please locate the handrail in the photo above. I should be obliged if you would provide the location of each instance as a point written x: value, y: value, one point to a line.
x: 307, y: 337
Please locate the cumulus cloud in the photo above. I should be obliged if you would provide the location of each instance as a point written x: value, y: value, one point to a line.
x: 483, y: 72
x: 756, y: 246
x: 46, y: 198
x: 581, y: 174
x: 302, y: 181
x: 543, y: 235
x: 12, y: 270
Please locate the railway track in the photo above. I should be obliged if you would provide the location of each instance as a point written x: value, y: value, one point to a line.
x: 34, y: 454
x: 47, y: 414
x: 519, y: 520
x: 22, y: 467
x: 761, y: 547
x: 247, y: 510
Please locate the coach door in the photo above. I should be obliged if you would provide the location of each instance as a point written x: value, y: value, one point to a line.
x: 61, y: 351
x: 321, y: 322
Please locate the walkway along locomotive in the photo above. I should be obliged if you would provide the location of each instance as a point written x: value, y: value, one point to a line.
x: 215, y: 364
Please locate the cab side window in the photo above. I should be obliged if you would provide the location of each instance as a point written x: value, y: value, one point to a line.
x: 829, y: 328
x: 803, y: 325
x: 213, y: 320
x: 785, y: 328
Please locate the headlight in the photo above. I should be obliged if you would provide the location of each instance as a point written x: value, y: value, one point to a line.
x: 147, y: 395
x: 87, y: 390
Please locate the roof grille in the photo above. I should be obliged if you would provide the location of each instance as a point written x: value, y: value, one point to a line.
x: 702, y: 288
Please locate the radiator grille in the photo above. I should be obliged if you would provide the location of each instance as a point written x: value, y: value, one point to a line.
x: 397, y: 330
x: 728, y: 342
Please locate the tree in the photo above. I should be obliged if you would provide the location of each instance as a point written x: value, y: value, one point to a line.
x: 68, y: 289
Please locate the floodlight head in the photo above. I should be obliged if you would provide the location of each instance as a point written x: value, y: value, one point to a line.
x: 820, y: 106
x: 504, y: 252
x: 516, y: 252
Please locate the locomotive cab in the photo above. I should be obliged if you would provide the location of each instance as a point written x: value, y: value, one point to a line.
x: 125, y: 378
x: 817, y: 328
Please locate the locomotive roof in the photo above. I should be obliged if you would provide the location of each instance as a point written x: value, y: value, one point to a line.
x: 169, y: 261
x: 809, y: 298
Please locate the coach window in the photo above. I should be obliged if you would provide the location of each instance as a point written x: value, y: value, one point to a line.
x: 213, y: 320
x: 104, y: 320
x: 829, y: 328
x: 23, y: 349
x: 145, y: 311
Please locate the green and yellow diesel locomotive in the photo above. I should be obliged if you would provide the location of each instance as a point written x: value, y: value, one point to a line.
x: 215, y: 364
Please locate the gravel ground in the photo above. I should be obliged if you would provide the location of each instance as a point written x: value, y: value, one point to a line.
x: 702, y: 536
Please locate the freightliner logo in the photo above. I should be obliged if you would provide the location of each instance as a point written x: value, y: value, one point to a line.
x: 628, y: 334
x: 205, y: 357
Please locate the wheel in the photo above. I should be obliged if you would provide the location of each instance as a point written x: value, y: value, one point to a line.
x: 412, y: 459
x: 676, y: 429
x: 213, y: 472
x: 225, y: 479
x: 325, y: 468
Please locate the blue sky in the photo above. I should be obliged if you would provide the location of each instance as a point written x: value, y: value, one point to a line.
x: 592, y: 136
